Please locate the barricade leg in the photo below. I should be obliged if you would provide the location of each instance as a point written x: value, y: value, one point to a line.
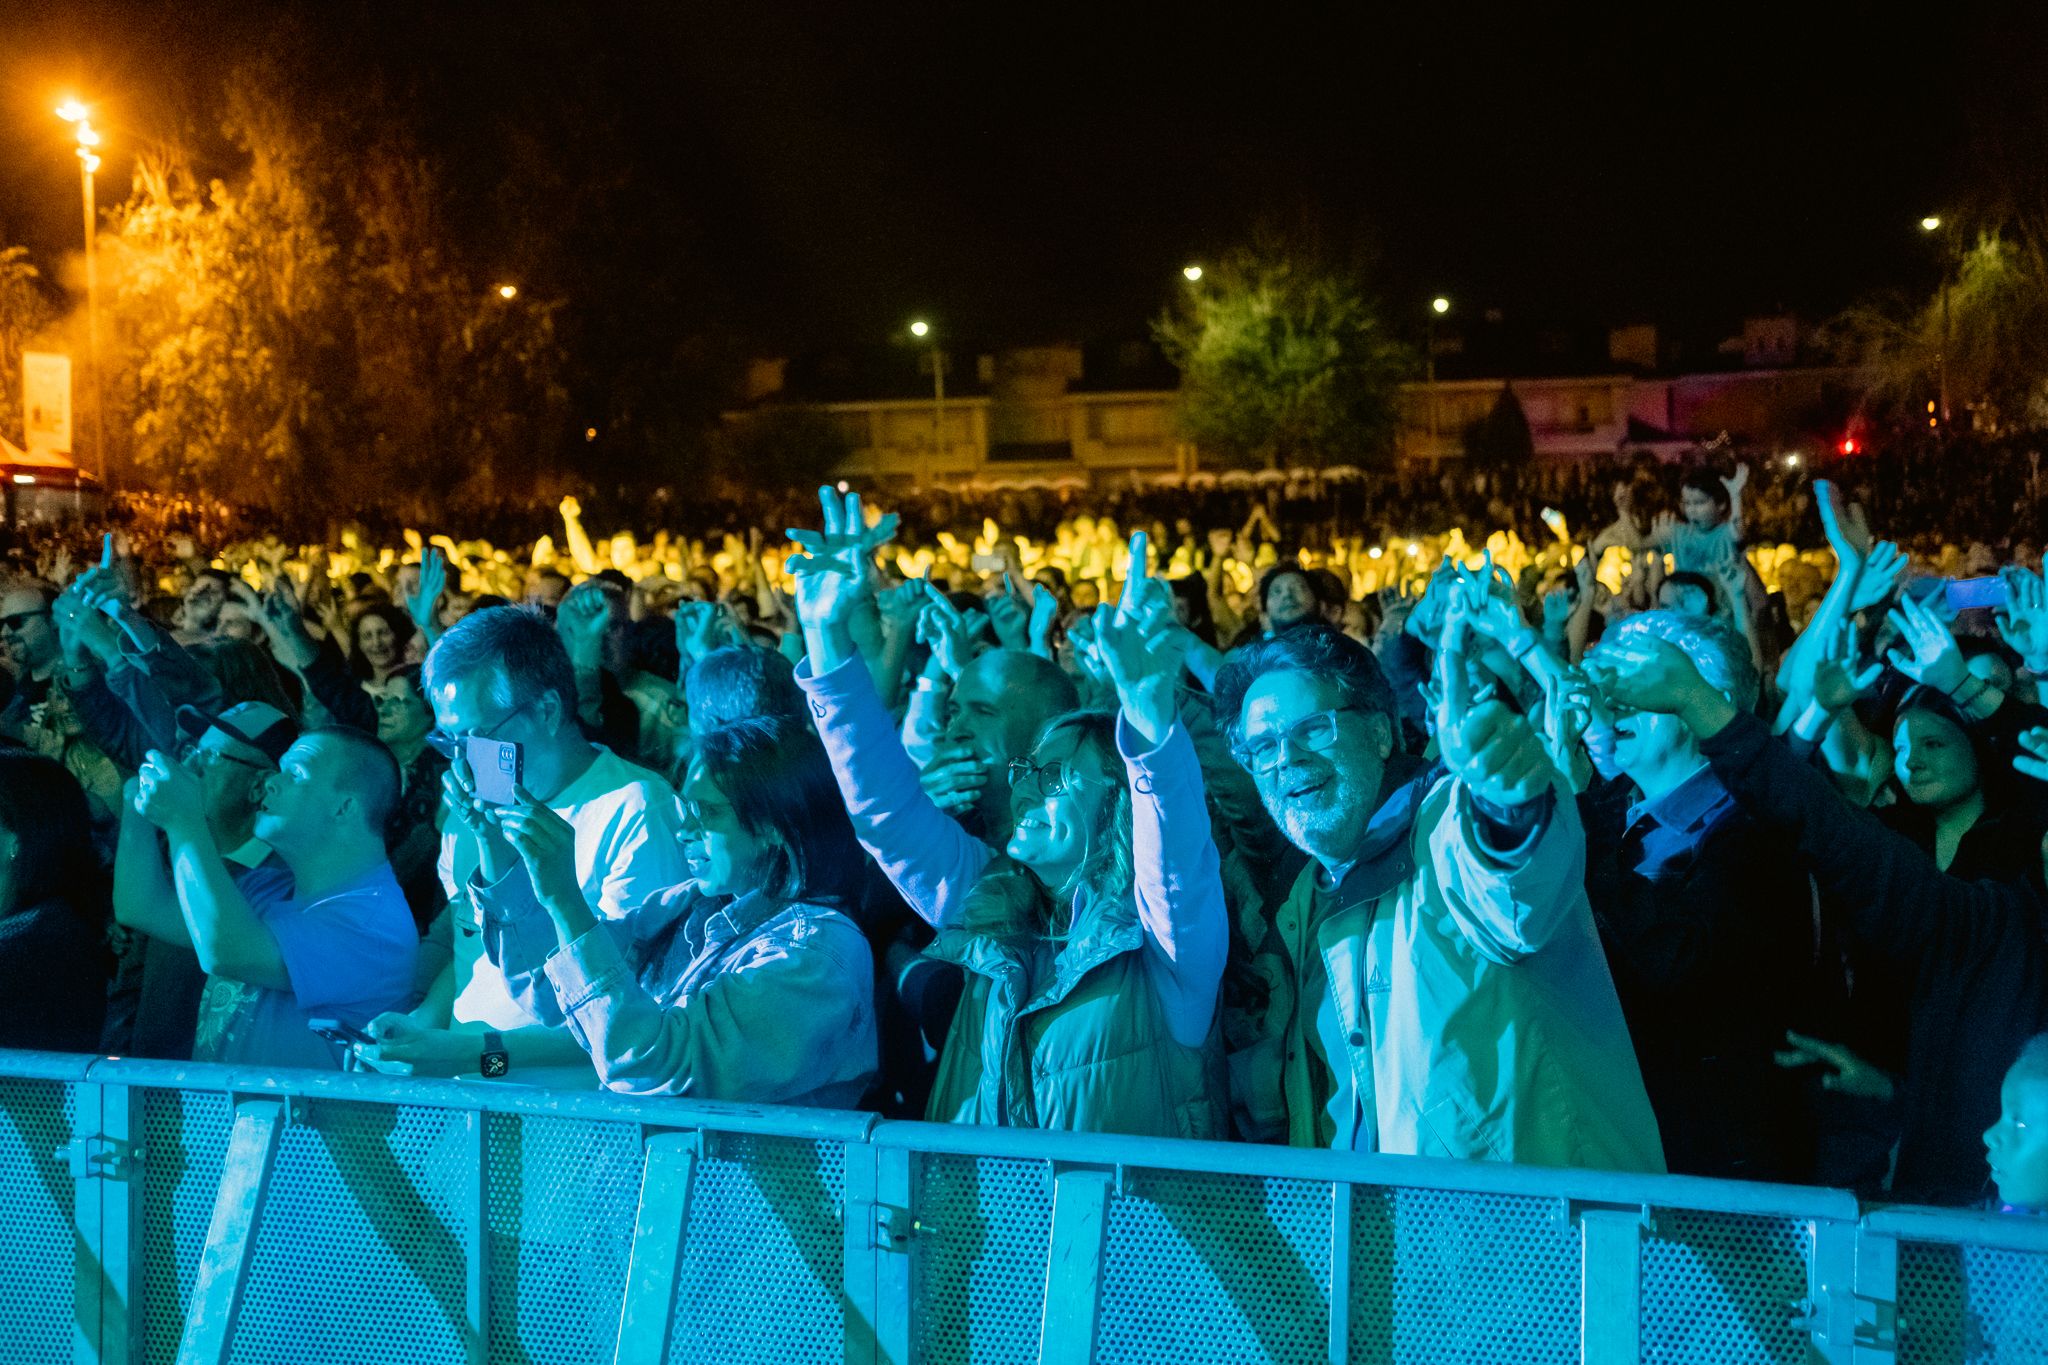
x: 1611, y: 1282
x: 231, y: 1237
x: 106, y: 1160
x: 1341, y: 1197
x: 1877, y: 1299
x: 1073, y: 1276
x: 881, y: 1239
x: 667, y: 1178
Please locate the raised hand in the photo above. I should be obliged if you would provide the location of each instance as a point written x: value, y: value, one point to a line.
x: 835, y: 572
x: 1645, y: 675
x: 1844, y: 1070
x: 425, y: 601
x: 1142, y: 649
x: 700, y: 628
x: 168, y: 794
x: 546, y: 844
x: 1927, y: 653
x: 582, y: 620
x: 948, y: 631
x: 1009, y: 611
x: 2023, y: 620
x: 1837, y: 682
x: 1489, y: 748
x: 1736, y: 483
x: 1882, y: 569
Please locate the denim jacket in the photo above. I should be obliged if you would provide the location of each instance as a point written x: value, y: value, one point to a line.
x: 752, y: 1000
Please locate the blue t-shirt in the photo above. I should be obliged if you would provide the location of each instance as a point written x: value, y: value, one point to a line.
x: 349, y: 956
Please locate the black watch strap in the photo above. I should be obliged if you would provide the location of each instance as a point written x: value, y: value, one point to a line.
x: 496, y: 1061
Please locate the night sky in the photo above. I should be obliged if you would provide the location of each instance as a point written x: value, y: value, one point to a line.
x: 811, y: 176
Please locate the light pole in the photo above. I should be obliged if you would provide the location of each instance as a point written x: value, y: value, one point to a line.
x: 77, y: 115
x: 1931, y: 224
x: 922, y: 329
x: 1438, y: 306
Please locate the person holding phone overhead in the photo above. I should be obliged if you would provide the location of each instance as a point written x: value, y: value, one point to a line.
x: 334, y: 940
x: 502, y: 685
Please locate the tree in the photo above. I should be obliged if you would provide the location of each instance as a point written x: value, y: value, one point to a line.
x: 780, y: 447
x: 25, y: 313
x: 1500, y: 440
x: 1284, y: 360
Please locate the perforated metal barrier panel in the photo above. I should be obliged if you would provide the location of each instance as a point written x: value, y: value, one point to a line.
x: 429, y: 1222
x: 36, y: 1199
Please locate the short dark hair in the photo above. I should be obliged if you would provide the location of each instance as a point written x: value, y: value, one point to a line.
x: 1315, y: 648
x: 1273, y: 573
x: 1705, y: 481
x: 372, y: 775
x: 774, y: 771
x: 740, y: 682
x: 1686, y: 578
x: 43, y: 806
x: 516, y: 644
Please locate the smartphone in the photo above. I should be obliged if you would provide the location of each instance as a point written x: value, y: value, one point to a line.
x: 497, y: 766
x: 1964, y: 594
x: 340, y: 1034
x: 989, y: 563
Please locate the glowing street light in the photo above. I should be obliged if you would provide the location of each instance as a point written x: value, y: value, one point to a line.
x: 76, y: 113
x: 1931, y: 223
x: 920, y: 329
x: 508, y: 292
x: 1191, y: 272
x: 1438, y: 306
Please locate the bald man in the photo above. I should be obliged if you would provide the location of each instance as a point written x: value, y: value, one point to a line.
x: 995, y: 713
x: 339, y: 945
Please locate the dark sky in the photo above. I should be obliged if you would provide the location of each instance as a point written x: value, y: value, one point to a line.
x: 1026, y: 172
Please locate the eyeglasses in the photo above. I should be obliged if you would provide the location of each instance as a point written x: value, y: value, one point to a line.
x: 197, y: 755
x: 446, y: 743
x: 20, y: 618
x: 1313, y: 733
x: 1056, y: 778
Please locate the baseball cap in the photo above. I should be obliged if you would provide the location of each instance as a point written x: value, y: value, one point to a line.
x: 257, y: 724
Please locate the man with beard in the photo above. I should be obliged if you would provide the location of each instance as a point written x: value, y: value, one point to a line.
x: 1448, y: 996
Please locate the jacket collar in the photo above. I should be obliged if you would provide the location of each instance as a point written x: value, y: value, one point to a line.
x: 1386, y: 858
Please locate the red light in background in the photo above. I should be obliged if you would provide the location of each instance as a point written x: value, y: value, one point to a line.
x: 1850, y: 445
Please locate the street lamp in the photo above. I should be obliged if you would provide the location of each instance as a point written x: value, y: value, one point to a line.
x: 508, y: 292
x: 1191, y: 272
x: 921, y: 330
x: 1438, y: 306
x: 1931, y: 224
x: 78, y: 116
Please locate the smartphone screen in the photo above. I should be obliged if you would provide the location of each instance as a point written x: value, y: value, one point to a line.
x: 339, y: 1033
x: 1965, y: 594
x: 497, y: 767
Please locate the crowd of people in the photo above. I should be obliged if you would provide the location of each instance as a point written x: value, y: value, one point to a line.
x: 1640, y: 826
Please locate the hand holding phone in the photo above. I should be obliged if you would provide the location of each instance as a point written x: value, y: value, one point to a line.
x: 496, y: 766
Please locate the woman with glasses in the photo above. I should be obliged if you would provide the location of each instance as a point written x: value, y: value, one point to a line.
x: 749, y: 982
x: 1094, y: 942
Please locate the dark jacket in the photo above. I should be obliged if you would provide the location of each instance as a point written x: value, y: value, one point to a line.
x: 55, y: 966
x: 1709, y: 930
x: 1974, y: 949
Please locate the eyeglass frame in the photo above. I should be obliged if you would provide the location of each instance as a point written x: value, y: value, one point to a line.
x: 191, y: 750
x: 1017, y: 769
x: 448, y: 745
x: 1242, y: 752
x: 14, y: 620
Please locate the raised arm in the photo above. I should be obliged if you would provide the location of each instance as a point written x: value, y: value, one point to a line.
x: 931, y: 860
x: 1179, y: 879
x: 225, y: 932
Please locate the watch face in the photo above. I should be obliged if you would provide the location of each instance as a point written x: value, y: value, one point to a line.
x: 496, y: 1063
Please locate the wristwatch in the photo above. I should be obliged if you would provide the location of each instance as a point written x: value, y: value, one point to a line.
x: 496, y: 1061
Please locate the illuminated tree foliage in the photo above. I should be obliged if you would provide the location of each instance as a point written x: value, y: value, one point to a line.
x: 1284, y: 360
x: 297, y: 336
x: 25, y: 313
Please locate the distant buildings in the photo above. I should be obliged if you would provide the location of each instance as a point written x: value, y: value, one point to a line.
x: 1026, y: 416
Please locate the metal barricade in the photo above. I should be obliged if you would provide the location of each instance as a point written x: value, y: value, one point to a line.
x: 162, y: 1212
